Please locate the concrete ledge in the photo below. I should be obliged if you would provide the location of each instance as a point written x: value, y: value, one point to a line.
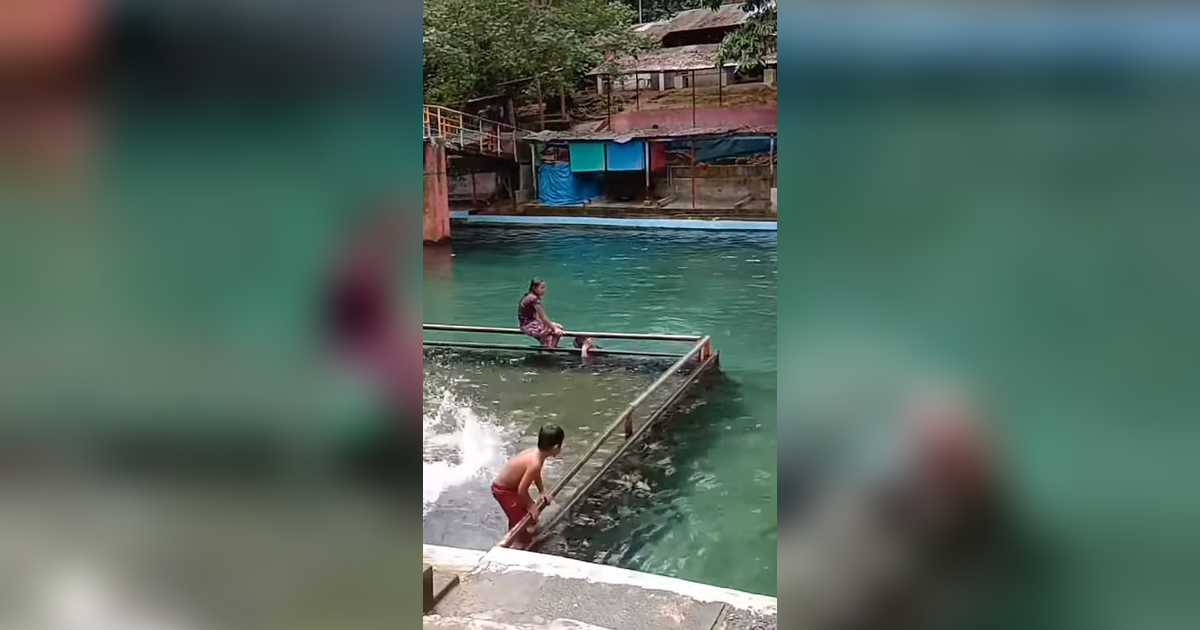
x: 504, y: 560
x: 452, y: 558
x: 520, y: 590
x: 459, y: 623
x: 676, y: 224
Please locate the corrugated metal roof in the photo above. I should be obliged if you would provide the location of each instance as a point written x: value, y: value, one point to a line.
x: 695, y: 57
x: 625, y: 136
x: 695, y: 19
x: 678, y: 58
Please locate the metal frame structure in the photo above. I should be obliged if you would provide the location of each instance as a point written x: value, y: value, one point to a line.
x: 700, y: 351
x: 467, y: 132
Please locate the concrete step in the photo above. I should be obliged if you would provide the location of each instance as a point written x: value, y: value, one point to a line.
x: 436, y: 585
x: 427, y: 587
x: 442, y: 583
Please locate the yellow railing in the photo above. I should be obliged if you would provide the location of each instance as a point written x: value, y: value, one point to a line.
x: 468, y: 132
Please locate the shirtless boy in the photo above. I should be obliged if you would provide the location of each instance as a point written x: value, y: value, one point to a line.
x: 511, y: 487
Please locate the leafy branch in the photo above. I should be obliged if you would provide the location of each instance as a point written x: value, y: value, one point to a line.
x: 749, y: 46
x: 472, y: 46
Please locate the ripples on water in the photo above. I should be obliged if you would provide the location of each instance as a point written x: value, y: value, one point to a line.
x: 481, y: 408
x: 697, y: 498
x: 459, y: 445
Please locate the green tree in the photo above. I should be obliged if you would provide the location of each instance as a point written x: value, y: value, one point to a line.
x: 472, y: 46
x: 749, y: 46
x: 655, y: 10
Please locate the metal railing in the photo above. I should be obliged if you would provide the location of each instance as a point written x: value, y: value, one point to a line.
x: 468, y: 132
x: 700, y: 351
x: 566, y: 334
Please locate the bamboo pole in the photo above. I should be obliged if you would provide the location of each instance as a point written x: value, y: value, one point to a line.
x: 520, y: 348
x: 593, y: 335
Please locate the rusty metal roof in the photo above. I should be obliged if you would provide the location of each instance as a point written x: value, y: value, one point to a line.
x: 728, y: 15
x: 694, y: 57
x: 675, y: 59
x: 652, y: 134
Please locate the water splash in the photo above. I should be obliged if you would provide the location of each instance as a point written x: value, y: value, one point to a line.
x: 460, y: 445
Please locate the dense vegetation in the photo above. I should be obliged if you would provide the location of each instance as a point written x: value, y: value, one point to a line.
x: 473, y: 46
x: 757, y: 37
x: 655, y: 10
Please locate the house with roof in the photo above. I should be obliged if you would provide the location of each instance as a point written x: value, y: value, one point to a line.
x: 689, y: 44
x: 672, y: 132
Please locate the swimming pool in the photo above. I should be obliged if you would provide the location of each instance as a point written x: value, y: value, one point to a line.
x: 704, y: 507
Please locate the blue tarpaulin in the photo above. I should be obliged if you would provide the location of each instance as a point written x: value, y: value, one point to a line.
x: 723, y: 148
x: 558, y: 186
x: 627, y: 156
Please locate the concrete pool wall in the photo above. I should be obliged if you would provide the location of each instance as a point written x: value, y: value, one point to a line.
x: 465, y: 218
x: 506, y: 589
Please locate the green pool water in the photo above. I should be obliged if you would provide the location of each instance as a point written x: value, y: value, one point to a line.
x: 703, y: 506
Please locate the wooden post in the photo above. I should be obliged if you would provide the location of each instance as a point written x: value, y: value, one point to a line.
x: 647, y: 154
x: 629, y: 425
x: 637, y: 91
x: 720, y: 86
x: 541, y: 106
x: 427, y: 586
x: 693, y: 101
x: 533, y: 167
x: 608, y: 102
x: 562, y: 103
x: 474, y: 191
x: 693, y: 172
x: 771, y: 155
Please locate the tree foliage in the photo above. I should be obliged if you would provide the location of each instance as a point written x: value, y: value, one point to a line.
x: 655, y: 10
x: 754, y: 40
x: 470, y: 47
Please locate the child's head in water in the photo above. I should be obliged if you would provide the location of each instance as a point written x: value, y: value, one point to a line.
x: 585, y: 345
x: 550, y: 440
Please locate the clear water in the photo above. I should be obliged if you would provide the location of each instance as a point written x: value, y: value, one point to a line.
x: 483, y: 407
x: 703, y: 508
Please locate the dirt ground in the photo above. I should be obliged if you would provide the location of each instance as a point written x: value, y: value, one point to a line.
x: 591, y: 106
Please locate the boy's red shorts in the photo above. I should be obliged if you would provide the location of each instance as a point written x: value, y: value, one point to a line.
x: 510, y: 502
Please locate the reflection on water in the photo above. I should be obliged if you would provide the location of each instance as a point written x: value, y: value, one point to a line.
x: 654, y: 510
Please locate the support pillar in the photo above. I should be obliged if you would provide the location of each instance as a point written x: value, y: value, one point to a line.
x: 435, y: 210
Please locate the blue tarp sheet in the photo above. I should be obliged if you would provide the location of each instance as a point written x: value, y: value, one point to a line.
x: 558, y: 186
x: 627, y: 156
x: 723, y: 148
